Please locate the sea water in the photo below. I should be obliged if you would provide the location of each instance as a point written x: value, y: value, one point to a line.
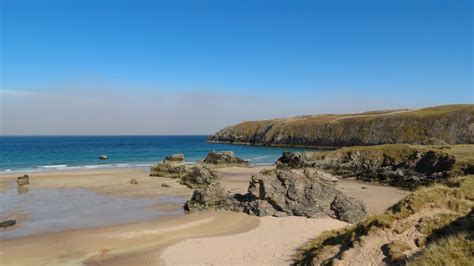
x: 40, y: 153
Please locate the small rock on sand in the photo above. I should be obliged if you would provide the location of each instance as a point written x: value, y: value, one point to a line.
x: 134, y: 181
x: 23, y: 180
x: 7, y: 223
x: 165, y: 185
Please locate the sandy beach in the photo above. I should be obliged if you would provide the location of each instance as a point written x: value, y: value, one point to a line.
x: 174, y: 238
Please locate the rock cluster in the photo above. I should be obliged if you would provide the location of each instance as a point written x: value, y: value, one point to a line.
x: 173, y: 167
x: 199, y: 177
x: 23, y: 180
x: 409, y: 168
x: 284, y: 192
x: 224, y: 158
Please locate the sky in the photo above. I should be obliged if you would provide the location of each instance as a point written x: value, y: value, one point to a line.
x: 193, y: 67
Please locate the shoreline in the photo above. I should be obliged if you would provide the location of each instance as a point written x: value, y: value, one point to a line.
x: 155, y: 241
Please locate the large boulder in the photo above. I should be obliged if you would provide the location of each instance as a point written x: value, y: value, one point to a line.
x: 209, y: 197
x: 348, y: 208
x: 224, y: 158
x: 200, y: 177
x: 306, y: 192
x: 168, y: 169
x: 23, y: 180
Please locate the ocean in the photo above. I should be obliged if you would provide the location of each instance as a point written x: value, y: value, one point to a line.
x: 40, y: 153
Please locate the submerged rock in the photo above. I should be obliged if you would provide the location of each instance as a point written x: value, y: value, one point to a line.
x: 224, y: 158
x: 7, y: 223
x: 23, y: 180
x: 200, y: 177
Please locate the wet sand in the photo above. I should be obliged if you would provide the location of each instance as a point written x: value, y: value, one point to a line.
x: 205, y: 238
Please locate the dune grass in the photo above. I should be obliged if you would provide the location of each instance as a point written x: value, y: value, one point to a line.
x: 457, y: 196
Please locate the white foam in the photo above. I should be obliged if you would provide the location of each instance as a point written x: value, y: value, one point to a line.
x: 53, y: 166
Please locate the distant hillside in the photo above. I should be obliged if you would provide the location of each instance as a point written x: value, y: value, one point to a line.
x: 448, y: 124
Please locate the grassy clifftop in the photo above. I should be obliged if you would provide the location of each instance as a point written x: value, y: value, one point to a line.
x: 449, y: 124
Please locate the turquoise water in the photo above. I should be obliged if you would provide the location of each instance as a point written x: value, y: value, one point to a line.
x: 23, y: 154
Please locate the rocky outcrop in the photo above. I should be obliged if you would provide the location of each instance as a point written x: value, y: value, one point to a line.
x: 23, y: 180
x: 451, y: 124
x: 284, y: 192
x: 168, y: 169
x: 178, y: 157
x: 399, y: 165
x: 224, y: 158
x: 200, y: 177
x: 173, y: 167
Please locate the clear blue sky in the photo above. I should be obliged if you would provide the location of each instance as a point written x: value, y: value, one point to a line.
x: 397, y: 53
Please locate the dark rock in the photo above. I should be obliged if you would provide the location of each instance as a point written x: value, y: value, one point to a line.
x: 133, y: 181
x: 224, y: 158
x: 397, y: 165
x: 364, y: 187
x: 23, y: 180
x: 200, y: 177
x: 103, y: 157
x: 168, y: 169
x: 7, y: 223
x: 165, y: 185
x: 175, y: 158
x: 284, y: 192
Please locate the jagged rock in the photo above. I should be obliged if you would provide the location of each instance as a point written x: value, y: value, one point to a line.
x: 200, y: 177
x: 103, y: 157
x: 133, y: 181
x: 212, y: 196
x: 300, y: 193
x: 348, y: 208
x: 23, y: 180
x: 168, y: 169
x: 284, y: 192
x: 398, y: 165
x: 224, y: 158
x: 175, y: 158
x: 7, y: 223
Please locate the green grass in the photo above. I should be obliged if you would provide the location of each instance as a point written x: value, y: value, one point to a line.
x: 457, y: 197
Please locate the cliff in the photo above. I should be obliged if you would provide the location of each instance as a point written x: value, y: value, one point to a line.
x: 449, y: 124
